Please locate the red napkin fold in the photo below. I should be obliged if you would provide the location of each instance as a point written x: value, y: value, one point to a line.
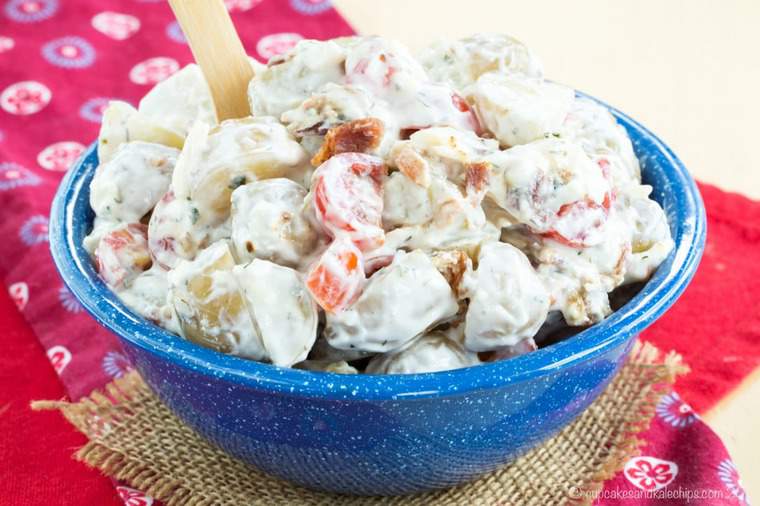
x: 35, y: 448
x: 59, y: 65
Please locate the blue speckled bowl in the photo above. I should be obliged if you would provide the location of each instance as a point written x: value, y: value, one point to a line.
x: 385, y: 434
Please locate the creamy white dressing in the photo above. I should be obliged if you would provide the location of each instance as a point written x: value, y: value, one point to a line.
x: 517, y: 109
x: 148, y: 294
x: 290, y: 79
x: 545, y: 182
x: 129, y: 185
x: 210, y: 304
x: 446, y: 152
x: 593, y: 127
x: 179, y: 101
x: 269, y: 222
x: 174, y: 232
x: 335, y: 104
x: 508, y: 301
x: 431, y: 352
x: 235, y: 153
x: 461, y: 62
x: 579, y: 279
x: 651, y: 241
x: 122, y: 254
x: 486, y: 199
x: 122, y: 123
x: 100, y: 227
x: 405, y: 203
x: 319, y: 85
x: 285, y: 313
x: 456, y: 223
x: 399, y: 303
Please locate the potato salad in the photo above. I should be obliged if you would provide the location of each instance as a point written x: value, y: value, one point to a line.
x: 379, y: 212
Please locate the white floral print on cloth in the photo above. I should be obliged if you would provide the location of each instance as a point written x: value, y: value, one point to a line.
x: 59, y: 356
x: 241, y: 5
x: 59, y: 156
x: 650, y: 473
x: 6, y: 44
x: 25, y: 97
x: 153, y: 70
x: 19, y: 292
x: 116, y: 25
x: 682, y: 459
x: 132, y: 497
x: 276, y: 44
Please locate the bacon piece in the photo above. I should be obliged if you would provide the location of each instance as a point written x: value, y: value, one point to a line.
x: 412, y: 165
x: 462, y: 106
x: 476, y: 178
x: 453, y: 265
x: 357, y: 136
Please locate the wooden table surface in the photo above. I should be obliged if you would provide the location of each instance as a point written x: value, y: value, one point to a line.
x: 687, y: 69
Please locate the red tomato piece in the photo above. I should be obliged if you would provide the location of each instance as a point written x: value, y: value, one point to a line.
x: 337, y: 279
x: 348, y: 198
x: 462, y: 106
x: 162, y: 247
x: 123, y: 253
x: 604, y: 164
x: 366, y: 71
x: 567, y: 233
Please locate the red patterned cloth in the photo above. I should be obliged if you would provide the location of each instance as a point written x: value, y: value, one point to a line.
x: 682, y: 462
x: 59, y: 65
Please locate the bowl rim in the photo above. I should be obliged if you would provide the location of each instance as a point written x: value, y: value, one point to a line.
x: 658, y: 294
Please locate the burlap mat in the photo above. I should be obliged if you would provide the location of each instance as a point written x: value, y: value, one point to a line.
x: 134, y: 438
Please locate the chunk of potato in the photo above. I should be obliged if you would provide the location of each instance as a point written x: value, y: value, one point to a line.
x: 232, y: 154
x: 122, y: 123
x: 400, y: 302
x: 284, y: 312
x: 130, y: 184
x: 268, y: 222
x: 210, y: 305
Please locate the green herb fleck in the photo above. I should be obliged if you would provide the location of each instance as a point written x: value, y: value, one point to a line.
x: 237, y: 181
x: 194, y: 215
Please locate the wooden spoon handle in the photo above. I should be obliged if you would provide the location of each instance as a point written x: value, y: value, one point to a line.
x: 217, y: 49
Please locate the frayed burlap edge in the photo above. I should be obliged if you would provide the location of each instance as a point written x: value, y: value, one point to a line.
x: 134, y: 438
